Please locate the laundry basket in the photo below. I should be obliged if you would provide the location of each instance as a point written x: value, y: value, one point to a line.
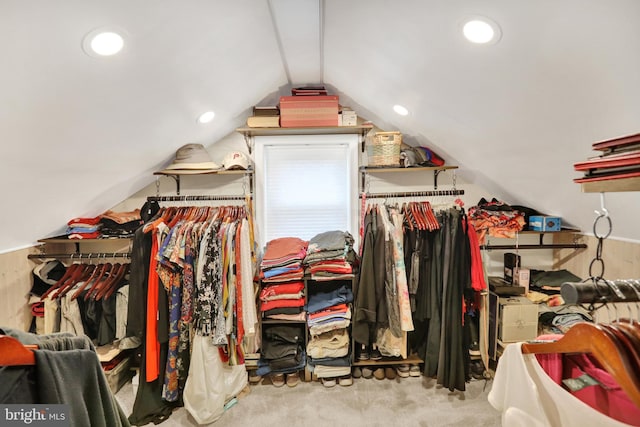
x: 383, y: 149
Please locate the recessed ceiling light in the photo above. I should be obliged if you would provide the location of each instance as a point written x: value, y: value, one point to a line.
x: 481, y: 30
x: 103, y: 42
x: 399, y: 109
x: 206, y: 117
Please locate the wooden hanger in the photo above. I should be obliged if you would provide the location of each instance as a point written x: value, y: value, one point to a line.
x: 67, y: 274
x: 110, y: 287
x: 587, y: 337
x: 14, y: 353
x: 84, y: 275
x: 95, y: 275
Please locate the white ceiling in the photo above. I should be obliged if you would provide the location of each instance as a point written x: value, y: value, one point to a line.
x: 81, y: 133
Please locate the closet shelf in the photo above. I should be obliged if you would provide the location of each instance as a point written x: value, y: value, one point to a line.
x: 613, y: 185
x: 324, y: 130
x: 283, y: 322
x: 364, y: 170
x: 176, y: 174
x: 541, y: 244
x: 63, y: 239
x: 412, y: 359
x: 250, y: 133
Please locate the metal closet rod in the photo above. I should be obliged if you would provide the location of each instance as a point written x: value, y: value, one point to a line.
x: 589, y: 292
x: 430, y: 193
x: 84, y: 255
x: 540, y: 246
x: 194, y: 198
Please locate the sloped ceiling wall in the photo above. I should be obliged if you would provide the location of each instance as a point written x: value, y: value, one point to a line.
x: 81, y: 133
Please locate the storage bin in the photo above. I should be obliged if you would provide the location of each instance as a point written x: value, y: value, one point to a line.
x: 384, y: 149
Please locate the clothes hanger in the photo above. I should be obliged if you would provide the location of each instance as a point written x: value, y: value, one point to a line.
x: 94, y: 276
x: 14, y: 353
x: 113, y: 285
x: 67, y: 274
x: 86, y: 273
x: 587, y: 337
x: 100, y: 280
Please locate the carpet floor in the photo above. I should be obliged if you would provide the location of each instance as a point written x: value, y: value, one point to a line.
x: 401, y: 402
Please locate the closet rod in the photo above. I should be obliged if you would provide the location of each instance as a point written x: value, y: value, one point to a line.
x: 601, y: 292
x: 82, y: 256
x: 430, y: 193
x: 542, y: 246
x: 192, y: 198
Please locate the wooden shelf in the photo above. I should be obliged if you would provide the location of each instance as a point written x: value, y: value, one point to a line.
x: 205, y: 172
x: 413, y: 359
x: 63, y: 239
x: 612, y: 185
x: 328, y: 130
x: 369, y: 169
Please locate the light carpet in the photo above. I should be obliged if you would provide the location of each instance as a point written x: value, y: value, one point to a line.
x: 402, y: 402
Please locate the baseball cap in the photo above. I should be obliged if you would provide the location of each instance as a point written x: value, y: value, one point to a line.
x: 236, y: 160
x: 192, y: 157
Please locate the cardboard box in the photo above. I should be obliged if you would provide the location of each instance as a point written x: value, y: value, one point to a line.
x: 521, y: 278
x: 308, y: 111
x: 517, y: 319
x: 511, y: 261
x: 544, y: 223
x: 348, y: 118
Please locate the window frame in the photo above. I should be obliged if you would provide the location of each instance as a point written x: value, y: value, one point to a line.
x: 315, y: 141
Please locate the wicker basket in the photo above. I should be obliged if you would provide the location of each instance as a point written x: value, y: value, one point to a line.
x: 384, y: 149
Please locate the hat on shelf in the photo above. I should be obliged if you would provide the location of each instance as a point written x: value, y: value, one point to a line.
x: 192, y: 157
x: 236, y: 160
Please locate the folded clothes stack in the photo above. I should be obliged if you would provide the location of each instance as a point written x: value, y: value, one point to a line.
x: 120, y: 224
x: 282, y: 260
x: 330, y: 256
x: 84, y: 228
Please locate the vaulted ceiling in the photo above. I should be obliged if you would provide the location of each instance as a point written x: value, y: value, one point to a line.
x: 79, y: 133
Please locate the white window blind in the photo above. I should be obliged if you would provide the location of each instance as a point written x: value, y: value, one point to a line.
x: 305, y: 186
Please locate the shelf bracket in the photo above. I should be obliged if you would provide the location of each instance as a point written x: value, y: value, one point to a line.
x: 435, y: 178
x: 248, y: 140
x: 177, y: 179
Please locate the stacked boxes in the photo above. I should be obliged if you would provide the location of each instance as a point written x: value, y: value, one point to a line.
x: 308, y: 111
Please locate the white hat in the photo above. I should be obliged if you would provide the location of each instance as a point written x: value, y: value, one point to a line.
x: 192, y: 157
x: 236, y: 160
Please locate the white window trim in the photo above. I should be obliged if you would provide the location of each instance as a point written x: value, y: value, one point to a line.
x: 260, y: 142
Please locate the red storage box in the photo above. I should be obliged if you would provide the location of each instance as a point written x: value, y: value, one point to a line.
x: 308, y: 111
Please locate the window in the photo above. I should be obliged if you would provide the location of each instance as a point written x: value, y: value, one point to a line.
x: 306, y: 184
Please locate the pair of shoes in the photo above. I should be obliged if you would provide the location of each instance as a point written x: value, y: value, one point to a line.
x: 379, y: 373
x: 293, y: 379
x: 367, y: 373
x: 476, y: 368
x: 328, y: 382
x: 414, y: 371
x: 357, y: 372
x: 345, y: 381
x: 375, y: 354
x: 390, y: 373
x: 277, y: 380
x: 254, y: 378
x: 364, y: 353
x: 403, y: 370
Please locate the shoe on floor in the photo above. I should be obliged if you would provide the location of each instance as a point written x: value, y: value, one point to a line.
x: 414, y: 371
x: 390, y: 373
x: 254, y: 378
x: 345, y: 381
x: 277, y: 380
x: 357, y: 372
x: 328, y: 382
x: 367, y: 373
x: 375, y: 354
x: 293, y: 379
x: 379, y: 373
x: 403, y: 370
x: 364, y: 353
